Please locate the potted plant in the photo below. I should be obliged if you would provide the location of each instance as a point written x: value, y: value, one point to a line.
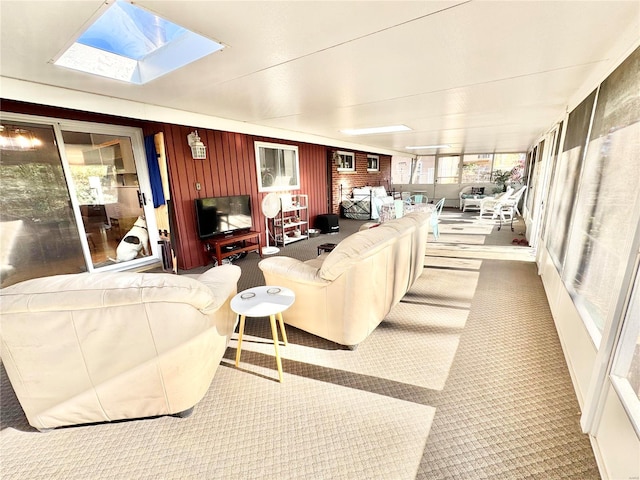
x: 500, y: 178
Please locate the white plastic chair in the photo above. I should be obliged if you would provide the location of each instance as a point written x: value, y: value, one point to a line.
x: 510, y: 207
x: 490, y: 204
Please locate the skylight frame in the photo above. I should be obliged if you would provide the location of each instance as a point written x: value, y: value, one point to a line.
x: 184, y: 46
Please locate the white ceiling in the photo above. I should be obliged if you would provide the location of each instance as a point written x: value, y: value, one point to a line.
x: 481, y: 76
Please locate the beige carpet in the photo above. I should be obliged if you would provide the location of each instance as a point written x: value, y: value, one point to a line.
x: 465, y: 379
x: 245, y: 427
x: 419, y: 337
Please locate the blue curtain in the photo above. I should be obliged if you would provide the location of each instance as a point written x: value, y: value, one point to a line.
x: 154, y: 171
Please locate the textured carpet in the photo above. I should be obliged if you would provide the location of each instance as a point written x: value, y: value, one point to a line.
x: 245, y: 427
x: 415, y: 344
x: 465, y: 379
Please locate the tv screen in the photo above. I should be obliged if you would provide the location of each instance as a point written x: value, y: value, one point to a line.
x: 223, y: 215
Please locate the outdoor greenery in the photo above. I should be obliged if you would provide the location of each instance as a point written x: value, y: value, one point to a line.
x: 34, y: 191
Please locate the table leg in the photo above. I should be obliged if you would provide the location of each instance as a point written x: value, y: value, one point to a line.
x: 240, y: 332
x: 284, y: 334
x: 274, y: 332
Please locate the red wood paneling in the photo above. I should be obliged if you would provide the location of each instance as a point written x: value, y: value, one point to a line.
x: 229, y: 169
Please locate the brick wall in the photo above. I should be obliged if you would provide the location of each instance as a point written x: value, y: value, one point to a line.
x: 360, y: 177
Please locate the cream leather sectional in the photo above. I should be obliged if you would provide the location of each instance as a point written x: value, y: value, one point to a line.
x: 98, y: 347
x: 343, y: 296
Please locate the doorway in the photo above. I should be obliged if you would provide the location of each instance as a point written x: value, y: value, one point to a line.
x: 71, y: 193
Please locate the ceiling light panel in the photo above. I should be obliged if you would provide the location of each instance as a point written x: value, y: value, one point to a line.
x: 425, y: 147
x: 375, y: 130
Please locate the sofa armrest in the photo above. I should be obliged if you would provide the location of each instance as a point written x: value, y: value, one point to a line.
x: 223, y: 283
x: 292, y: 269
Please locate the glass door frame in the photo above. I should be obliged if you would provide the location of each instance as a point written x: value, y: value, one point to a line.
x: 139, y: 154
x: 442, y: 189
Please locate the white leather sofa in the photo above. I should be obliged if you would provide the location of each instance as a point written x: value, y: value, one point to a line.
x: 344, y: 295
x: 98, y: 347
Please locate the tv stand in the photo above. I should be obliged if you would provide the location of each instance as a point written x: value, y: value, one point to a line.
x: 239, y: 242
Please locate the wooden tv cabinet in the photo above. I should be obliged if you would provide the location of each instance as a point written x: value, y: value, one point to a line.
x: 242, y: 242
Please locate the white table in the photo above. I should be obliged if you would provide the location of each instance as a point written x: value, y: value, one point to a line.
x: 268, y: 301
x: 472, y: 202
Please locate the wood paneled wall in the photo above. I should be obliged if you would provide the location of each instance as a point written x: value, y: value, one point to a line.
x: 229, y: 169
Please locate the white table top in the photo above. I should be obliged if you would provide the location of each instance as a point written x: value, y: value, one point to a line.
x: 265, y: 301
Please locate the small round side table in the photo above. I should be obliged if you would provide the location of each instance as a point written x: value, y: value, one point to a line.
x: 264, y: 301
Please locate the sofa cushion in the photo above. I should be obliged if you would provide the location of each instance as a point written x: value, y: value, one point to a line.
x: 352, y: 250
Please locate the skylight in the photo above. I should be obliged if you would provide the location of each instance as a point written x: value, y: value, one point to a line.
x: 131, y: 44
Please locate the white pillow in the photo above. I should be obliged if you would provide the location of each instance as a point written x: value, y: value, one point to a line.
x: 361, y: 192
x: 379, y: 191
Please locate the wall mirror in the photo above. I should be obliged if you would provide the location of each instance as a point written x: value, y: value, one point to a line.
x: 277, y: 166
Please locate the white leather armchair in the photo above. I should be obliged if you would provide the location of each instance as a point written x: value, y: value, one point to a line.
x: 98, y: 347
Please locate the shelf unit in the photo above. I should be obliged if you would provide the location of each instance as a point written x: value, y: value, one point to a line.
x: 292, y: 222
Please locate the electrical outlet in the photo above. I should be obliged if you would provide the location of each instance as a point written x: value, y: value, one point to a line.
x: 198, y: 186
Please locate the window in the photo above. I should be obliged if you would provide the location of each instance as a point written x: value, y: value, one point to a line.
x: 373, y: 163
x: 625, y: 374
x: 346, y: 161
x: 448, y: 169
x: 605, y: 214
x: 476, y: 168
x: 277, y: 167
x: 400, y: 169
x: 513, y: 162
x: 424, y: 170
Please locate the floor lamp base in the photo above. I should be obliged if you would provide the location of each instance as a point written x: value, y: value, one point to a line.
x: 270, y: 250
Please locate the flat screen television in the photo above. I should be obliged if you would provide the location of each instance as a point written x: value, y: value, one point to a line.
x: 222, y: 216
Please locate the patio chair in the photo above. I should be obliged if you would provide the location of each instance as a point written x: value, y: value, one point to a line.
x: 417, y: 199
x: 435, y: 218
x: 510, y: 207
x: 489, y: 205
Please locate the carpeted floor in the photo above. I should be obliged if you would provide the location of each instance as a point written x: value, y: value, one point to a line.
x: 464, y: 379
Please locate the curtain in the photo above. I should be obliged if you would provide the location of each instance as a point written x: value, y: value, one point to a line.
x: 154, y: 171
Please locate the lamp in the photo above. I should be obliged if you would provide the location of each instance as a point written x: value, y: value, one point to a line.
x: 198, y: 149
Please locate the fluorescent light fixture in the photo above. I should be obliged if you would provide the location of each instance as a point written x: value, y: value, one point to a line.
x: 133, y: 45
x: 374, y: 130
x: 424, y: 147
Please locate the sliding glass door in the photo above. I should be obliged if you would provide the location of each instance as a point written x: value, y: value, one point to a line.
x: 107, y: 190
x: 37, y: 222
x: 71, y: 193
